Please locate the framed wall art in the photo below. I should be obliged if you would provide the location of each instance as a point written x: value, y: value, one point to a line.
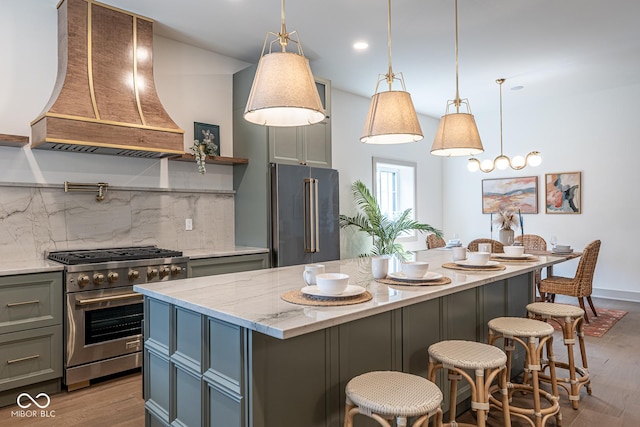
x: 208, y: 136
x: 510, y: 194
x: 563, y: 192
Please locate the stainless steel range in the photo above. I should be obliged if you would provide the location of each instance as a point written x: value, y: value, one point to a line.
x: 103, y: 315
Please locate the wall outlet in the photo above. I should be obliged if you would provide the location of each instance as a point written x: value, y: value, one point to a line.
x: 188, y: 224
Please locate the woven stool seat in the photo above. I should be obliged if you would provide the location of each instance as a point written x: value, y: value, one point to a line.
x: 534, y: 336
x: 467, y: 354
x: 488, y: 363
x: 384, y: 395
x: 571, y: 321
x: 546, y: 309
x: 520, y: 327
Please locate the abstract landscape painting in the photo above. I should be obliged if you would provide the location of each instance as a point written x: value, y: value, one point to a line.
x: 510, y: 194
x: 563, y: 192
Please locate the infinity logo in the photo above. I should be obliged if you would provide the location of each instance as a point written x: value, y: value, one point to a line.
x: 34, y: 401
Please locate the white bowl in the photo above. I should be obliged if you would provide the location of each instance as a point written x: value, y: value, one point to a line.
x: 478, y: 258
x: 332, y: 283
x: 415, y: 270
x: 513, y: 250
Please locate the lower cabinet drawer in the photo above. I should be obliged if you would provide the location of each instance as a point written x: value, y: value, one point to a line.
x: 31, y: 356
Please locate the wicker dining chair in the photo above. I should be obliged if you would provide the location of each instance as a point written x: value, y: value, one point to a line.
x: 496, y: 247
x: 580, y: 285
x: 532, y: 242
x: 434, y: 241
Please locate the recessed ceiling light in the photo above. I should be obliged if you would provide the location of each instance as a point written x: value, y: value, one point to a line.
x: 519, y: 87
x: 360, y: 45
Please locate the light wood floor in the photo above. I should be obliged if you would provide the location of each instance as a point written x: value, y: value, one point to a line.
x: 614, y: 363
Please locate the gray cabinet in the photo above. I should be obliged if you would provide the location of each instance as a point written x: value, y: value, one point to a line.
x: 239, y: 377
x: 310, y: 145
x: 227, y: 264
x: 30, y: 335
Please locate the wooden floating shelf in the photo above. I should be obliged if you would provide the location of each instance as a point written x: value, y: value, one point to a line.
x: 7, y: 140
x: 216, y: 160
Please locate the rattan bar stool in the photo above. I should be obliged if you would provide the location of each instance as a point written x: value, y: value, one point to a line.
x: 486, y: 361
x: 388, y: 395
x: 571, y: 321
x: 534, y: 336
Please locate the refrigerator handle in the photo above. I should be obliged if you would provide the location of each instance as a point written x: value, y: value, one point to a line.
x: 308, y: 231
x: 316, y: 247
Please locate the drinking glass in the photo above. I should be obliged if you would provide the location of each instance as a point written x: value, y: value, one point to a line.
x: 553, y: 241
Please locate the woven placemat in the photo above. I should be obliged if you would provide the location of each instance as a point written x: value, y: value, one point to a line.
x: 442, y: 281
x: 297, y: 297
x: 531, y: 258
x: 454, y: 266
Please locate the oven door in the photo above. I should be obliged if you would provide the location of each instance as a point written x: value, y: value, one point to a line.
x: 102, y: 324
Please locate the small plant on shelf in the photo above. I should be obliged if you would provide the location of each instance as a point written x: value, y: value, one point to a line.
x: 204, y: 148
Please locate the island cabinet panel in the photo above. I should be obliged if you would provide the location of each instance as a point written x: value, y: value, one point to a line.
x: 227, y: 264
x: 222, y: 374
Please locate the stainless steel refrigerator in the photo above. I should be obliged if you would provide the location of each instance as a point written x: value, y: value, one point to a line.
x: 304, y: 215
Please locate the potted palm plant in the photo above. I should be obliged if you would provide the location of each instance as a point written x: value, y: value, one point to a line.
x: 382, y: 229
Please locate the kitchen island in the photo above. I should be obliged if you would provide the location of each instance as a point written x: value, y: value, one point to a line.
x: 228, y: 351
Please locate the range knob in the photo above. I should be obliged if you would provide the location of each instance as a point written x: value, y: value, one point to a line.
x: 152, y: 272
x: 112, y: 277
x: 164, y: 271
x: 83, y: 280
x: 98, y: 278
x: 175, y: 270
x: 133, y: 275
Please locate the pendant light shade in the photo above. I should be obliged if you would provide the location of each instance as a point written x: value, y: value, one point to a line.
x: 284, y: 91
x: 392, y: 119
x: 457, y: 133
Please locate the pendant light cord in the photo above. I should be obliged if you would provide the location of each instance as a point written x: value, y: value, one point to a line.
x: 500, y: 81
x: 457, y: 100
x: 390, y: 75
x: 283, y: 36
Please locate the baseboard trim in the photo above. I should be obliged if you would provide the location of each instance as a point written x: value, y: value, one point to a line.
x: 615, y: 294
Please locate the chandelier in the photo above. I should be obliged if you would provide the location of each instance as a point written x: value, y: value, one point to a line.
x: 457, y: 133
x: 502, y: 162
x: 392, y: 118
x: 284, y: 91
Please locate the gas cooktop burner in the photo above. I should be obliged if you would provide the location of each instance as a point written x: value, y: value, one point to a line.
x: 114, y: 254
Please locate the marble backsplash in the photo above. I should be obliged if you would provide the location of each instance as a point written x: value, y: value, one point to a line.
x: 37, y: 220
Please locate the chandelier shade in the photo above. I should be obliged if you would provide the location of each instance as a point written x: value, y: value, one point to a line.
x: 457, y: 133
x: 391, y: 119
x: 284, y: 92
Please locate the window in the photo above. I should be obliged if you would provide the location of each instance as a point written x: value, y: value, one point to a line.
x: 394, y: 187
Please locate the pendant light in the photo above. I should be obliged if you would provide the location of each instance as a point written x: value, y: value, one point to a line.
x: 502, y: 162
x: 392, y: 118
x: 457, y: 133
x: 284, y: 91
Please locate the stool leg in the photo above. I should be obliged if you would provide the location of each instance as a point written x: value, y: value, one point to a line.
x: 569, y: 340
x: 482, y: 399
x: 505, y: 396
x: 454, y: 377
x: 533, y: 365
x: 583, y: 351
x: 348, y: 416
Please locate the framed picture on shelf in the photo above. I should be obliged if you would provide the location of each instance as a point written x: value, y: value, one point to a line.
x: 209, y: 136
x: 563, y: 193
x: 510, y: 194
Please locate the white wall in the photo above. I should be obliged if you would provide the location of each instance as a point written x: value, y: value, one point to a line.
x: 354, y: 161
x: 194, y: 85
x: 595, y: 133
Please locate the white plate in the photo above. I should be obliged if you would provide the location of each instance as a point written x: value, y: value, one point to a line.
x: 427, y: 277
x: 351, y: 291
x: 505, y: 256
x: 469, y: 264
x: 562, y: 252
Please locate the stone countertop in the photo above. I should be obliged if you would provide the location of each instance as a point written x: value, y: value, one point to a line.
x: 252, y: 300
x: 12, y: 268
x: 238, y: 250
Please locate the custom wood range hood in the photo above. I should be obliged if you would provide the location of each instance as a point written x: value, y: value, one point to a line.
x: 104, y: 100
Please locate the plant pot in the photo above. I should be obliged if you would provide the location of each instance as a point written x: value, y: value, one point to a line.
x: 506, y: 237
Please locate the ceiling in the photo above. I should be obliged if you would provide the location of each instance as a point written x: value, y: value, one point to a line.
x: 558, y: 48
